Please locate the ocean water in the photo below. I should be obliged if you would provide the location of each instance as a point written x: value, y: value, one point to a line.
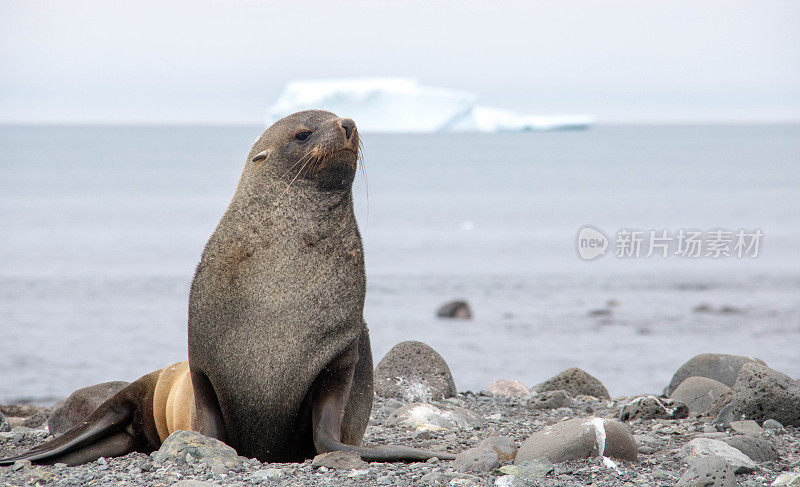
x: 101, y: 228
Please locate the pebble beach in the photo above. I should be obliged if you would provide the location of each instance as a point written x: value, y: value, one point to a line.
x: 566, y: 431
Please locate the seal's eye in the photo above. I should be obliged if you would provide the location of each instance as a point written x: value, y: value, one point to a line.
x: 301, y: 136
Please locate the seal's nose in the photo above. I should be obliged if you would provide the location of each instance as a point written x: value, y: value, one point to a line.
x: 349, y: 126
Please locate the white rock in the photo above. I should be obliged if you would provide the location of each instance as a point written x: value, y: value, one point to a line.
x: 422, y: 416
x: 790, y: 479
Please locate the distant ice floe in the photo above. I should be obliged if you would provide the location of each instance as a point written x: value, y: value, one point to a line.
x: 402, y: 105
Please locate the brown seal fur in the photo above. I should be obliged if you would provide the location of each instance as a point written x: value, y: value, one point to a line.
x: 280, y: 365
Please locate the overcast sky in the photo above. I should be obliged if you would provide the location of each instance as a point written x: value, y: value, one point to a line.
x: 209, y: 62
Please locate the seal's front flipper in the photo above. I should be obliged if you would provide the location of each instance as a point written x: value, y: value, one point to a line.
x: 330, y: 393
x: 104, y: 433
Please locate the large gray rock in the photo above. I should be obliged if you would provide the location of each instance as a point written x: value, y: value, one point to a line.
x: 579, y: 438
x: 652, y: 407
x: 698, y: 393
x: 477, y: 460
x: 702, y: 447
x: 4, y: 426
x: 181, y: 444
x: 758, y: 449
x: 79, y: 404
x: 421, y: 416
x: 761, y: 393
x: 575, y: 381
x: 718, y: 366
x: 413, y: 371
x: 708, y: 471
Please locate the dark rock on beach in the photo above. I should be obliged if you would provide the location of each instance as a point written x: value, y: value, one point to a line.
x: 575, y: 381
x: 758, y: 449
x: 720, y: 367
x: 413, y: 371
x: 652, y: 407
x: 550, y: 400
x: 458, y: 309
x: 761, y: 393
x: 79, y: 404
x: 698, y: 393
x: 708, y: 471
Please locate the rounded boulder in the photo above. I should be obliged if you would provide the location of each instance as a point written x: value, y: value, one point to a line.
x: 580, y: 438
x: 698, y: 393
x: 414, y: 372
x: 718, y: 366
x: 80, y: 404
x: 761, y: 393
x: 576, y: 382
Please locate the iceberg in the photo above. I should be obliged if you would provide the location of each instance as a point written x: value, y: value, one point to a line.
x: 402, y: 105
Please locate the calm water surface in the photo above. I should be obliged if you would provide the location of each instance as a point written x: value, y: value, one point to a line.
x: 101, y: 227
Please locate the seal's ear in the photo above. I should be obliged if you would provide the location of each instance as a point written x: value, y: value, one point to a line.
x: 261, y: 155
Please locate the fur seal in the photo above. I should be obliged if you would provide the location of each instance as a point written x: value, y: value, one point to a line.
x: 280, y: 365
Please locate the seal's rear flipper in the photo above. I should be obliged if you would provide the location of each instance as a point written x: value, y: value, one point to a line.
x: 103, y: 433
x: 330, y: 392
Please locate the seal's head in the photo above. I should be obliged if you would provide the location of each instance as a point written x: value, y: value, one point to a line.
x: 312, y: 147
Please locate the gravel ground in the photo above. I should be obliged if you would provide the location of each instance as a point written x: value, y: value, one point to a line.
x: 659, y: 462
